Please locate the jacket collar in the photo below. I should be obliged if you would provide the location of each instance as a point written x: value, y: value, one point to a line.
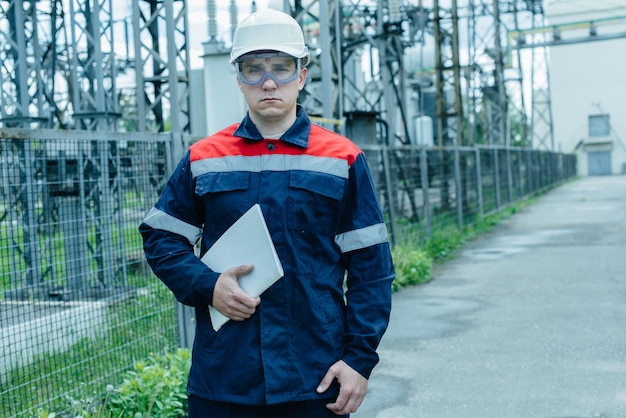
x: 297, y: 134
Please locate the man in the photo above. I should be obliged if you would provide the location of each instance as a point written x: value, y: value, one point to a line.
x: 306, y: 347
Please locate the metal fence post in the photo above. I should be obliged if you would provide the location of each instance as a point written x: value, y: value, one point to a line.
x: 186, y: 315
x: 425, y: 189
x: 509, y: 174
x: 459, y: 189
x: 31, y: 248
x: 496, y: 174
x: 388, y: 184
x: 520, y: 171
x: 479, y: 183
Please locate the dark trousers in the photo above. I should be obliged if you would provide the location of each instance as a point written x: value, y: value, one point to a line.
x: 203, y: 408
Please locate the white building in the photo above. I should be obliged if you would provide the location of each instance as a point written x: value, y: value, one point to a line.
x: 588, y: 84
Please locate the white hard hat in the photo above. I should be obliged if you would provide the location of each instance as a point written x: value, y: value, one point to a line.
x: 269, y: 30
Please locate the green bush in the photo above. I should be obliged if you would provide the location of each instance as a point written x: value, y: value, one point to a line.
x: 154, y: 388
x: 413, y: 266
x: 444, y: 242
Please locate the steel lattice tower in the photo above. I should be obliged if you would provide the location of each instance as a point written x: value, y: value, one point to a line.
x: 478, y: 81
x: 62, y: 65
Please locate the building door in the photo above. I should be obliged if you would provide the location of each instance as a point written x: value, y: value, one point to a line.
x: 599, y: 163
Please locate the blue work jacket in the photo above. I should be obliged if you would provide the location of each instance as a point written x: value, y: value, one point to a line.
x: 322, y: 211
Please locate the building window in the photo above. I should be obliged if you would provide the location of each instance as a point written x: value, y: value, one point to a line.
x: 599, y: 125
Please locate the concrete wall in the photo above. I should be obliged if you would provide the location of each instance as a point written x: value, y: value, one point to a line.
x: 45, y: 327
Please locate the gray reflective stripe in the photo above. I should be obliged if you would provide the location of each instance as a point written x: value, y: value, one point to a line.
x: 158, y: 219
x: 362, y: 238
x: 274, y: 162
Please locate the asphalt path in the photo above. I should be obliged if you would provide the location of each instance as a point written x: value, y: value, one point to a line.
x: 528, y: 320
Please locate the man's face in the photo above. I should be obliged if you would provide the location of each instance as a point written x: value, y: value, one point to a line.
x: 270, y: 83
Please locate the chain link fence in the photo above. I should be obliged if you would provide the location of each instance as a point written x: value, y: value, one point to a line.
x: 430, y: 188
x: 78, y: 304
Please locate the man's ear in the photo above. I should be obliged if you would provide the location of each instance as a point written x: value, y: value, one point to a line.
x: 302, y: 78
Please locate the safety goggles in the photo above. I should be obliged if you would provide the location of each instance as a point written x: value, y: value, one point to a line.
x: 255, y: 69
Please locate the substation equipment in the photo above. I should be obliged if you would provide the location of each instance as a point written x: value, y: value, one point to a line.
x: 432, y: 73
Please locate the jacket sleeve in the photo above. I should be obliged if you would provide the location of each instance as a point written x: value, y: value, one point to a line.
x: 367, y: 258
x: 169, y: 233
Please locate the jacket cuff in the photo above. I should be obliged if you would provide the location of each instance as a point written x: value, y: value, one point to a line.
x: 362, y: 364
x: 202, y: 287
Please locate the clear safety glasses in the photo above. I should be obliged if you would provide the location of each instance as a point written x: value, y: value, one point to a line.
x: 255, y: 69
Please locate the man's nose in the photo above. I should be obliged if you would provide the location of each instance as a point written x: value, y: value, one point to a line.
x: 269, y: 83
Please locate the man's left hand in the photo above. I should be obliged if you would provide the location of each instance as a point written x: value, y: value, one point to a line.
x: 352, y: 388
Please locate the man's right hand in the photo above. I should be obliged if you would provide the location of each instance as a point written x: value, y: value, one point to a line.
x: 230, y: 299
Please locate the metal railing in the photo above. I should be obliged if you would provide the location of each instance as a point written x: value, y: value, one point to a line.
x: 78, y: 304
